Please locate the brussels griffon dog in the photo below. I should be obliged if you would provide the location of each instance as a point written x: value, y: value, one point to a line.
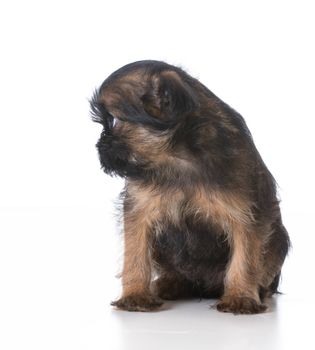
x: 201, y: 214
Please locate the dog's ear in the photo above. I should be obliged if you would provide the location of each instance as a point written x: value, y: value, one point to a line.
x: 169, y: 97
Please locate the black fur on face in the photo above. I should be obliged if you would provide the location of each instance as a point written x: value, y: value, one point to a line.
x: 200, y: 206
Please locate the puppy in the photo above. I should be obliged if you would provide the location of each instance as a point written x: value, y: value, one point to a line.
x: 201, y: 214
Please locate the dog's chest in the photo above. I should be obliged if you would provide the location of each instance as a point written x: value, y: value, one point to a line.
x: 222, y: 209
x: 177, y: 206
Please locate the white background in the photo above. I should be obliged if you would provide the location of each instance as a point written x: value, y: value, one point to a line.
x: 59, y: 246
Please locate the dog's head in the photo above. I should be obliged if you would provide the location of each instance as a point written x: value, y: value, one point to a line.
x: 148, y: 110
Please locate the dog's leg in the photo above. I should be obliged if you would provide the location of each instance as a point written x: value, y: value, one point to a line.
x: 241, y: 285
x: 136, y: 275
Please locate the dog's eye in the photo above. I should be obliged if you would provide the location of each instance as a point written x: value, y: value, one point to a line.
x: 114, y: 120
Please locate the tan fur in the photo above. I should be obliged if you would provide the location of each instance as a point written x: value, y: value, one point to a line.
x: 136, y: 275
x: 233, y: 214
x: 244, y: 271
x: 153, y: 205
x: 224, y: 208
x: 147, y: 206
x: 154, y: 148
x: 147, y: 145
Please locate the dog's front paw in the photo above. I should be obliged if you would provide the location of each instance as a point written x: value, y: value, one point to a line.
x: 138, y: 302
x: 240, y: 305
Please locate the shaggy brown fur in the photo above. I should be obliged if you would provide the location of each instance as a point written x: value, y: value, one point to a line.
x: 201, y: 214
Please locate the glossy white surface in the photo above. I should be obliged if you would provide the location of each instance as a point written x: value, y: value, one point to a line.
x: 187, y: 325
